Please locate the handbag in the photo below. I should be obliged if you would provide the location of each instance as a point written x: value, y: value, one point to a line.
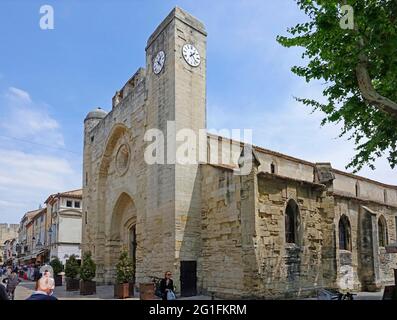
x: 171, y: 295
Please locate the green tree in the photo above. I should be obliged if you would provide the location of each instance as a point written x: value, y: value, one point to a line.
x: 124, y: 269
x: 56, y: 265
x: 359, y: 66
x: 88, y: 268
x: 71, y: 267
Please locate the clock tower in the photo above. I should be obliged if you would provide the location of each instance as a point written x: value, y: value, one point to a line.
x: 176, y: 101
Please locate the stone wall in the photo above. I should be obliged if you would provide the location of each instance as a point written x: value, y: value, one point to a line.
x: 347, y: 260
x: 289, y: 269
x: 220, y: 266
x: 244, y: 253
x: 7, y: 232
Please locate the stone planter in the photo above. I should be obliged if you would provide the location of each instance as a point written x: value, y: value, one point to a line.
x: 58, y: 281
x: 87, y: 287
x: 72, y: 284
x: 146, y: 291
x: 122, y: 291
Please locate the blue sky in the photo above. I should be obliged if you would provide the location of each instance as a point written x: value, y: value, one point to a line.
x: 50, y: 79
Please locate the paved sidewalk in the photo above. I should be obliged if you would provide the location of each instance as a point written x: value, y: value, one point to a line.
x: 25, y: 289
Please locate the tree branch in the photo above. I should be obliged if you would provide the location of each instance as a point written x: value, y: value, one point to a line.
x: 369, y: 93
x: 367, y: 90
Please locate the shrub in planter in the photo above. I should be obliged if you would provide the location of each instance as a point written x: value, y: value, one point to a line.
x: 57, y: 267
x: 124, y: 277
x: 71, y: 272
x: 87, y: 273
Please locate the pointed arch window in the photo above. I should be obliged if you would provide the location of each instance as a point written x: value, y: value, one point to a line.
x: 345, y: 242
x: 291, y: 222
x: 382, y: 232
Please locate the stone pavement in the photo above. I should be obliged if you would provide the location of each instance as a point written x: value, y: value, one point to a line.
x: 25, y: 289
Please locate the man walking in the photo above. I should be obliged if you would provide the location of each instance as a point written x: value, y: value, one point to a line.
x: 12, y: 281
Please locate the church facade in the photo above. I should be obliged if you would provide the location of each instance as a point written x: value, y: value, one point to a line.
x: 285, y: 229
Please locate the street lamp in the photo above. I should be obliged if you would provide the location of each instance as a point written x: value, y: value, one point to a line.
x: 50, y: 242
x: 50, y: 234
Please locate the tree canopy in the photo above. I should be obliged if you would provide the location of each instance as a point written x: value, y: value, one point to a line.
x: 359, y: 67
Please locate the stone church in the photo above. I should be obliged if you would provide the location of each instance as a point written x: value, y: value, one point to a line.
x: 285, y: 229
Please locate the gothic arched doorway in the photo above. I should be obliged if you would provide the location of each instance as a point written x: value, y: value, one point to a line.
x: 122, y: 234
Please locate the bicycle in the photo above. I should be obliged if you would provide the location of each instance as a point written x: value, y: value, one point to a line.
x: 156, y: 281
x: 347, y: 296
x: 333, y: 294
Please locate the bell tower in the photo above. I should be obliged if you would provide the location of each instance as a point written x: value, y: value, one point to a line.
x: 176, y: 101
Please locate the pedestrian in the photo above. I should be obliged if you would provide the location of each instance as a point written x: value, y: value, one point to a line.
x: 12, y: 282
x: 44, y: 290
x: 167, y: 287
x: 36, y: 273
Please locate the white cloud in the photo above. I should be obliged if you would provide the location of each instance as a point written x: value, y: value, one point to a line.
x: 18, y: 95
x: 24, y: 118
x: 30, y: 172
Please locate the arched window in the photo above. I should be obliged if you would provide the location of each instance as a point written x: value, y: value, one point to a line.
x: 382, y: 232
x: 357, y: 189
x: 345, y: 242
x: 291, y: 222
x: 272, y: 168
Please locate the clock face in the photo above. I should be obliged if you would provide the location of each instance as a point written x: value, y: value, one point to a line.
x: 158, y: 62
x: 191, y: 55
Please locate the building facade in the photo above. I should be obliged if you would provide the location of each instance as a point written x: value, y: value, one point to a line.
x: 286, y: 228
x: 10, y: 252
x: 25, y: 237
x: 52, y: 231
x: 7, y: 232
x: 64, y: 224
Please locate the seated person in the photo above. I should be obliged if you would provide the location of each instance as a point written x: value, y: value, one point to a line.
x: 44, y: 290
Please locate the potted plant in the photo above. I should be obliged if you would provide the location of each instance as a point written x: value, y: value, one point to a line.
x: 71, y: 272
x: 87, y: 273
x: 57, y: 267
x: 124, y: 276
